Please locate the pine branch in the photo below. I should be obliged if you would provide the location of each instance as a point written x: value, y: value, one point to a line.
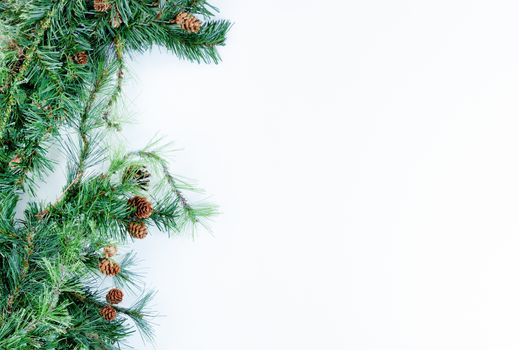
x: 62, y: 69
x: 119, y: 49
x: 11, y: 100
x: 191, y: 214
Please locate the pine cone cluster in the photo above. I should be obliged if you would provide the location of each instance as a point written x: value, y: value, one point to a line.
x: 102, y: 5
x: 143, y: 207
x: 81, y: 57
x: 109, y: 267
x: 110, y: 251
x: 137, y: 229
x: 188, y: 22
x: 108, y: 312
x: 114, y: 296
x: 140, y: 175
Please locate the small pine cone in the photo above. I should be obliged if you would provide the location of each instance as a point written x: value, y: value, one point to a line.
x: 140, y: 175
x: 102, y: 5
x: 12, y: 44
x: 188, y: 22
x: 81, y: 57
x: 42, y: 214
x: 116, y: 20
x: 109, y: 267
x: 108, y: 313
x: 110, y: 251
x: 138, y: 230
x: 143, y: 207
x: 16, y: 160
x: 114, y: 296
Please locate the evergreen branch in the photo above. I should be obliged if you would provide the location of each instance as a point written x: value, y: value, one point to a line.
x: 191, y: 214
x: 29, y: 249
x: 86, y: 125
x: 45, y: 24
x: 113, y: 98
x: 137, y: 312
x: 61, y: 68
x: 46, y: 211
x: 82, y: 128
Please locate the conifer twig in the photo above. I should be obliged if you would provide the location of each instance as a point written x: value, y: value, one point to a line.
x: 45, y: 24
x: 63, y: 71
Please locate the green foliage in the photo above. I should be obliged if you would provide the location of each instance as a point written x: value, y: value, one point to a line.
x: 50, y: 293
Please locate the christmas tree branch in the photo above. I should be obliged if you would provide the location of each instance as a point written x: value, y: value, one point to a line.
x: 20, y: 74
x: 61, y: 74
x: 190, y: 214
x: 119, y: 49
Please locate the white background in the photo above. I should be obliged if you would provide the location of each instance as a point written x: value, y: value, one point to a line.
x: 364, y: 155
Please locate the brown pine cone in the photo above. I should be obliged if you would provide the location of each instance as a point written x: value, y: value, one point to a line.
x: 114, y: 296
x: 102, y: 5
x: 116, y: 20
x: 137, y: 230
x: 188, y: 22
x: 143, y: 207
x: 108, y: 312
x: 110, y: 251
x: 81, y: 57
x: 109, y: 267
x: 140, y: 175
x: 16, y: 160
x: 42, y: 214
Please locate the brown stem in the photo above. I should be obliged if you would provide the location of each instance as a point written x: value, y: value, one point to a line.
x: 44, y: 212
